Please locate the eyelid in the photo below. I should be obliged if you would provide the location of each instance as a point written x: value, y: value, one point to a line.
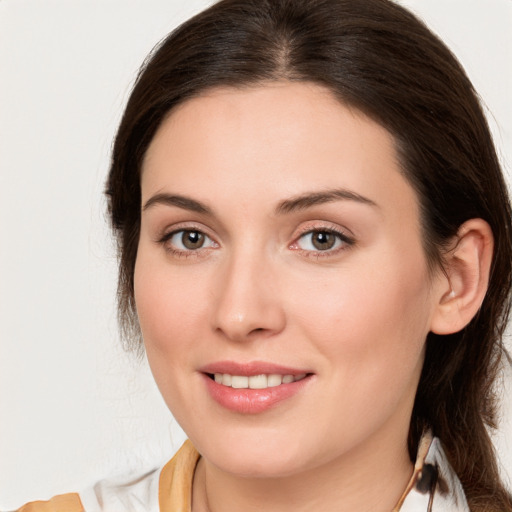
x: 170, y: 231
x: 318, y: 225
x: 173, y: 234
x: 344, y: 235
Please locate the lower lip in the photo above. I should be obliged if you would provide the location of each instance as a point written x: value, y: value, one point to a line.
x: 253, y: 401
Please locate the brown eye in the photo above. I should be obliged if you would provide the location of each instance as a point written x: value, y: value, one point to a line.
x: 323, y: 240
x: 192, y: 239
x: 186, y: 240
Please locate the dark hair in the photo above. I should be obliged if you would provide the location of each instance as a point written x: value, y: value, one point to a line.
x: 377, y: 57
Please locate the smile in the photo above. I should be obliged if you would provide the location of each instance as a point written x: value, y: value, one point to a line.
x: 262, y: 381
x: 254, y: 387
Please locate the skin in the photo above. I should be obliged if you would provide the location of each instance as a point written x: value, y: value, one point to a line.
x: 355, y: 316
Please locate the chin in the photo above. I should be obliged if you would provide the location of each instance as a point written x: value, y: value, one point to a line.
x: 256, y: 455
x: 263, y: 464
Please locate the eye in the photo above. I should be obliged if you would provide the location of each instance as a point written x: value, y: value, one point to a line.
x: 322, y: 240
x: 188, y: 240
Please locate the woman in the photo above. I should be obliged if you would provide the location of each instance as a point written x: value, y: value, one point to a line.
x: 315, y: 245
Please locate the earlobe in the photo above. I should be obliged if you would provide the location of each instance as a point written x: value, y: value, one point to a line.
x: 461, y: 288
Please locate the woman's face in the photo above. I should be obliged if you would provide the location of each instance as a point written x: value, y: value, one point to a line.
x: 280, y: 239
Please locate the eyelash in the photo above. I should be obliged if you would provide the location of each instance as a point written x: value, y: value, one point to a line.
x: 344, y: 241
x: 341, y: 238
x: 185, y: 253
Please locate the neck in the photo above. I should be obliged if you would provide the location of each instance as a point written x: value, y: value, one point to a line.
x: 370, y: 478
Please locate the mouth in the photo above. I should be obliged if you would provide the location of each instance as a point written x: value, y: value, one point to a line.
x: 251, y: 388
x: 262, y: 381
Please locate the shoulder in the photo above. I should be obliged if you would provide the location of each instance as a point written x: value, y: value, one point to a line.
x: 149, y: 492
x: 136, y: 493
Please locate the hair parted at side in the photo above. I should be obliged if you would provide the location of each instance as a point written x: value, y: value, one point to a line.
x: 377, y: 57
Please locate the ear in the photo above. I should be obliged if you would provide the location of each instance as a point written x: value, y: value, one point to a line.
x: 461, y: 289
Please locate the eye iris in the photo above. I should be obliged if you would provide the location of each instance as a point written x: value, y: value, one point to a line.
x: 323, y: 240
x: 192, y: 239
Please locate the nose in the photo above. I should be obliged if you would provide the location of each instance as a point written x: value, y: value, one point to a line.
x: 247, y: 304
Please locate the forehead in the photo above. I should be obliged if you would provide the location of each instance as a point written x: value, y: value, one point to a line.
x: 269, y: 117
x: 277, y: 139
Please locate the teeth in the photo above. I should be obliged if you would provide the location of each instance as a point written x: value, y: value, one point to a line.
x: 239, y: 382
x: 258, y: 382
x: 255, y: 381
x: 274, y: 380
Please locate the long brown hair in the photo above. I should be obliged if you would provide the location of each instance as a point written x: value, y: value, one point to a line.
x: 377, y: 57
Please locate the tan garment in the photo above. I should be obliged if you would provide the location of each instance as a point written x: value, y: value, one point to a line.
x: 175, y: 489
x: 433, y: 487
x: 62, y: 503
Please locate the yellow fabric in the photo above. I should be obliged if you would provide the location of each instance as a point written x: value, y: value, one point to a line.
x: 175, y: 486
x: 62, y: 503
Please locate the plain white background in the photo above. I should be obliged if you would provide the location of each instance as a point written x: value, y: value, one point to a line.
x: 73, y: 406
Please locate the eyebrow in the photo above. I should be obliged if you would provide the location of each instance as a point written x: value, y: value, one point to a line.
x: 308, y: 200
x: 183, y: 202
x: 301, y: 202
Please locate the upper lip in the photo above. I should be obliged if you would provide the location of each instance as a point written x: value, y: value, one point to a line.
x: 251, y: 368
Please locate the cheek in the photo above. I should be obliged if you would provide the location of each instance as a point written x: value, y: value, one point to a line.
x: 168, y: 306
x: 373, y: 317
x: 169, y: 316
